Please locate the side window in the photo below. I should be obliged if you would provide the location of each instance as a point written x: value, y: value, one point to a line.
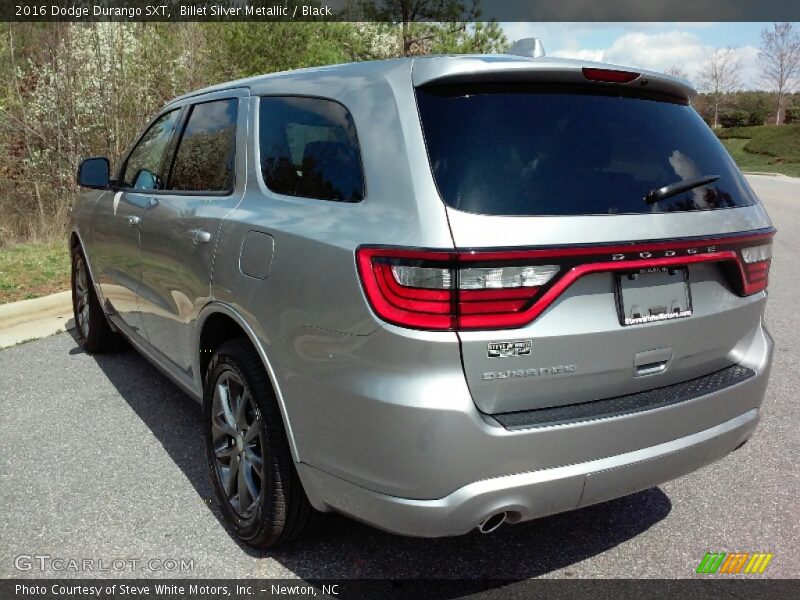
x: 206, y: 154
x: 309, y: 148
x: 145, y: 164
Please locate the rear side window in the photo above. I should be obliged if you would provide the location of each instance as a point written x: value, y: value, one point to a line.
x: 206, y: 155
x: 144, y: 169
x: 309, y: 148
x: 525, y: 150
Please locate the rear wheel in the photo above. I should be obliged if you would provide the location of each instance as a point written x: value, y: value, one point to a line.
x: 93, y: 331
x: 248, y: 455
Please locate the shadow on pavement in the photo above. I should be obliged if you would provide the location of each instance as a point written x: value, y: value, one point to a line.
x: 348, y: 549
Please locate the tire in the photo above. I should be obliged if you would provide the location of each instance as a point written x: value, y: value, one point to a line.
x: 94, y: 334
x: 266, y: 504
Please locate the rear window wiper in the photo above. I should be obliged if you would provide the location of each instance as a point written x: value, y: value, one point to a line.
x: 658, y: 194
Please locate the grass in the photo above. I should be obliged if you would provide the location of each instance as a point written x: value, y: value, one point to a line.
x: 33, y: 270
x: 764, y: 148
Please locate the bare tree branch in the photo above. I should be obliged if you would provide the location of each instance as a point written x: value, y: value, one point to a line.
x: 719, y: 75
x: 779, y: 58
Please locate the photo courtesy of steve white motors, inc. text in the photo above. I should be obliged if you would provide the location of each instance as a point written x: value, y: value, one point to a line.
x: 216, y: 590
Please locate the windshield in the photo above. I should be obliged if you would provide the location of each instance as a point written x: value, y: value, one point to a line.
x: 540, y: 150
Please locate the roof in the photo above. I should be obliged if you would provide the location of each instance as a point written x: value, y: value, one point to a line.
x: 468, y: 67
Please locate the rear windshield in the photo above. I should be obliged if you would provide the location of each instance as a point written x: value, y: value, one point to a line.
x: 525, y: 150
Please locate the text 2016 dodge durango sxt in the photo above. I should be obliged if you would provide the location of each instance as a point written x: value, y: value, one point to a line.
x: 437, y: 293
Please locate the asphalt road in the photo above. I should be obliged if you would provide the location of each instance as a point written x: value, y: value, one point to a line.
x: 101, y: 458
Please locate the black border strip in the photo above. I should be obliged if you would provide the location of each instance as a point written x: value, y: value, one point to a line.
x: 701, y: 588
x: 386, y: 11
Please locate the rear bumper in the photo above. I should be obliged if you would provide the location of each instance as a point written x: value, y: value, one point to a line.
x: 457, y: 468
x: 525, y: 496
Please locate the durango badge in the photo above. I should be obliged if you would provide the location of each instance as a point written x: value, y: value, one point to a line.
x: 509, y: 349
x: 518, y: 373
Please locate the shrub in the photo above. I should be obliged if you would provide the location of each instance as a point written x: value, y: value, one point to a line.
x: 792, y: 115
x: 735, y: 118
x: 757, y: 117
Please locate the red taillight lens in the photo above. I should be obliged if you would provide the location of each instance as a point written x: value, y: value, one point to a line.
x: 416, y: 307
x: 609, y: 75
x: 448, y: 291
x: 755, y: 262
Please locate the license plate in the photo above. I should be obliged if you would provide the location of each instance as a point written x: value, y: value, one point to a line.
x: 650, y: 295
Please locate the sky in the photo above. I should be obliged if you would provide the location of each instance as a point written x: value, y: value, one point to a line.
x: 656, y: 46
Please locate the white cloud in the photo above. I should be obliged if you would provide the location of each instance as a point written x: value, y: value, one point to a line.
x: 657, y: 51
x: 581, y: 54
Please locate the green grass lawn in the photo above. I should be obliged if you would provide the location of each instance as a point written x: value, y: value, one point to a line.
x: 764, y: 148
x: 33, y: 270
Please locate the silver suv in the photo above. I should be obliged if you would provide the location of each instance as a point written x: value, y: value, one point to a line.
x: 438, y: 293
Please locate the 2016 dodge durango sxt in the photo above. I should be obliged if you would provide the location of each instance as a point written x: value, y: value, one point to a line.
x: 435, y: 293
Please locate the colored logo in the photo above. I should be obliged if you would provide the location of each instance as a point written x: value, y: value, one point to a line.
x: 732, y: 563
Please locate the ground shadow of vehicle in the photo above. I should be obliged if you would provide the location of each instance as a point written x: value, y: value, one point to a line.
x: 348, y: 549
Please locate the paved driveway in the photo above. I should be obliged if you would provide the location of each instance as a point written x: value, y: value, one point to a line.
x: 101, y: 457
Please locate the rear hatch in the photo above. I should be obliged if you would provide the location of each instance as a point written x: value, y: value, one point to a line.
x: 601, y: 285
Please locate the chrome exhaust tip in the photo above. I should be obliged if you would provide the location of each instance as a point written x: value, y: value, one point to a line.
x: 492, y: 523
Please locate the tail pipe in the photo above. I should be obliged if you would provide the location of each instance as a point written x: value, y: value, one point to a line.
x: 492, y: 523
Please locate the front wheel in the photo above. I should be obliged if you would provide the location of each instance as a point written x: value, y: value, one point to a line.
x: 248, y: 455
x: 93, y: 331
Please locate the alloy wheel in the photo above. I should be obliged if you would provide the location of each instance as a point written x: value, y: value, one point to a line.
x: 236, y: 432
x: 82, y: 297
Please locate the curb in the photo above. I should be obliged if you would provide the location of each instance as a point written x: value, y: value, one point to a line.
x: 54, y: 305
x: 34, y: 319
x: 769, y: 174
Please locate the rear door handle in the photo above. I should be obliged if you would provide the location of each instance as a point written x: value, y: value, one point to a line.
x: 199, y: 236
x: 134, y: 220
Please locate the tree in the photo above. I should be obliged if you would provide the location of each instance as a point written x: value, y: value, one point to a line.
x: 478, y: 38
x: 757, y: 103
x: 779, y: 57
x: 71, y: 90
x: 678, y: 72
x: 428, y: 24
x: 245, y: 49
x: 718, y: 76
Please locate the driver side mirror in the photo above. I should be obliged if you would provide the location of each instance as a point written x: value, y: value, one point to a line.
x: 94, y: 173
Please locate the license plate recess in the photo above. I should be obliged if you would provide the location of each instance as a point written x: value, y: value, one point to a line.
x: 650, y: 295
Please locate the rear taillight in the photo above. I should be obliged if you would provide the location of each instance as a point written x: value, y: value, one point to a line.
x: 755, y: 264
x: 460, y: 290
x: 447, y: 290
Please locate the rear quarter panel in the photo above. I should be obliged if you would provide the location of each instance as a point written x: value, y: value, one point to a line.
x: 312, y: 288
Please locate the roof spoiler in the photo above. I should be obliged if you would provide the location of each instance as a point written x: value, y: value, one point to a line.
x: 488, y: 68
